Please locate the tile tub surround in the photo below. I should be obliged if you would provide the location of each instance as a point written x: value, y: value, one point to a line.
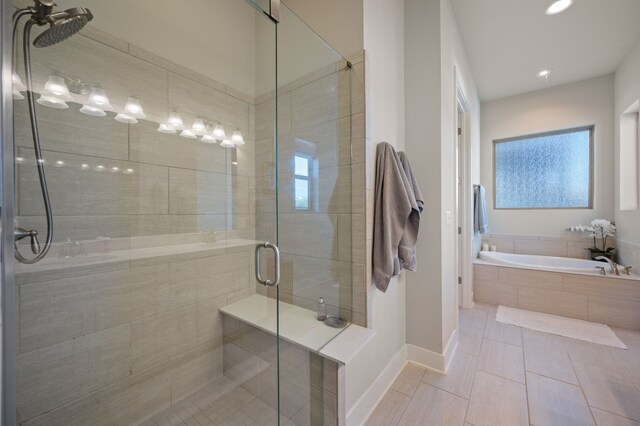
x: 614, y: 301
x: 573, y: 245
x: 629, y: 254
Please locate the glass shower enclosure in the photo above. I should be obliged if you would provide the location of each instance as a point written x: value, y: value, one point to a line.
x: 176, y: 198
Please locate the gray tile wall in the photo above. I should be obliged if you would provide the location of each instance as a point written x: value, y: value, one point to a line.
x: 117, y: 343
x: 114, y: 344
x: 571, y: 246
x: 323, y: 248
x: 308, y: 382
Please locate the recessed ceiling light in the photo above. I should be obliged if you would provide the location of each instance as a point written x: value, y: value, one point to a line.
x: 545, y: 73
x: 559, y: 6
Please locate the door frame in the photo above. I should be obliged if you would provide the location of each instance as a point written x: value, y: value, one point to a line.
x: 7, y: 277
x: 464, y: 198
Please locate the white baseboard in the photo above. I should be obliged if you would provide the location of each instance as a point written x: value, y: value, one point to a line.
x: 363, y: 408
x: 434, y: 360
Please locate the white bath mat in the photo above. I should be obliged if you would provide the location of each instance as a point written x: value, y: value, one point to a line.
x: 567, y: 327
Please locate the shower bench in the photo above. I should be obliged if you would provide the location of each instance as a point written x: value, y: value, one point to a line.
x: 312, y: 355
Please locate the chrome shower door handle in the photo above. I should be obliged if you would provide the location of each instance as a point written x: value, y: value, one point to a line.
x: 276, y: 252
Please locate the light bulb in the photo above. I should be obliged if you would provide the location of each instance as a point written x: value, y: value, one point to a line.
x: 218, y: 132
x: 237, y: 138
x: 227, y: 144
x: 124, y: 118
x: 165, y: 128
x: 98, y: 99
x: 92, y: 111
x: 175, y: 121
x: 56, y: 87
x: 186, y: 133
x: 52, y: 101
x: 208, y: 138
x: 198, y: 127
x: 133, y: 108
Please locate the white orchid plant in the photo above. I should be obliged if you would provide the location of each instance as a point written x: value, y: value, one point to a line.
x: 599, y: 230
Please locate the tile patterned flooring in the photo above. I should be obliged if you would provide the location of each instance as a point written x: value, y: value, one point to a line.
x: 507, y: 375
x: 221, y: 403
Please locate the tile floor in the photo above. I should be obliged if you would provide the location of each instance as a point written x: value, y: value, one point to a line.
x: 507, y: 375
x: 221, y: 403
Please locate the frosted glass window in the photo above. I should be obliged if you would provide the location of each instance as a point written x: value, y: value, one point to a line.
x: 544, y: 171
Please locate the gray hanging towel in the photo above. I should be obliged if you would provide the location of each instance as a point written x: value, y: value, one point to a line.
x: 407, y: 247
x: 393, y: 204
x: 480, y: 222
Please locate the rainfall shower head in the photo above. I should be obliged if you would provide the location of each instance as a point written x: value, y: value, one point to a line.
x: 63, y: 25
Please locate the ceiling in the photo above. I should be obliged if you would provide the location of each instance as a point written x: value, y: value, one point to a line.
x: 509, y: 41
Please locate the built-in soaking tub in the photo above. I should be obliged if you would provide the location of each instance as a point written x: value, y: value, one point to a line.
x: 560, y: 286
x: 545, y: 263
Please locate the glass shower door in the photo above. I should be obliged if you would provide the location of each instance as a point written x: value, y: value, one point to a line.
x: 140, y: 311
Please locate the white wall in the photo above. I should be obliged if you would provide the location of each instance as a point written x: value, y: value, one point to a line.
x: 383, y: 42
x: 433, y: 52
x: 588, y: 102
x: 339, y: 22
x: 627, y: 91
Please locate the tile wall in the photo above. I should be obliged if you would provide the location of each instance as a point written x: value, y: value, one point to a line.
x: 574, y: 246
x: 117, y: 342
x: 323, y: 247
x: 308, y: 382
x: 612, y: 301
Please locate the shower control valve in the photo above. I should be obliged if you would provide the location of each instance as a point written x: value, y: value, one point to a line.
x: 21, y: 233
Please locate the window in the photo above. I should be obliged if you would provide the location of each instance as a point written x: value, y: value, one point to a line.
x: 301, y: 183
x: 544, y: 171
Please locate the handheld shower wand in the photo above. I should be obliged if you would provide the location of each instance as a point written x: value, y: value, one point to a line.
x: 62, y: 25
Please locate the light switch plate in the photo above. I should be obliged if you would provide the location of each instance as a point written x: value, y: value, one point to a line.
x: 448, y: 217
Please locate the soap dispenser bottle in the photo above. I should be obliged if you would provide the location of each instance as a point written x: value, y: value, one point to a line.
x: 321, y: 313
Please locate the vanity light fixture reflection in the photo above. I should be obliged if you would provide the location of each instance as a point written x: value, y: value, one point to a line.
x: 52, y: 102
x: 175, y: 120
x: 237, y: 138
x: 219, y: 133
x: 97, y: 103
x: 227, y: 144
x: 131, y: 112
x: 165, y: 128
x: 198, y: 127
x: 18, y: 86
x: 186, y: 133
x: 559, y: 6
x: 56, y: 87
x: 208, y: 138
x: 55, y: 93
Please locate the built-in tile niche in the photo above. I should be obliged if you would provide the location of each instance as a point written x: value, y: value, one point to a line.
x: 629, y: 157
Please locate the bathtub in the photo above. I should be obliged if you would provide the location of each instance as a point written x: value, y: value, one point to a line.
x: 562, y: 286
x: 546, y: 263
